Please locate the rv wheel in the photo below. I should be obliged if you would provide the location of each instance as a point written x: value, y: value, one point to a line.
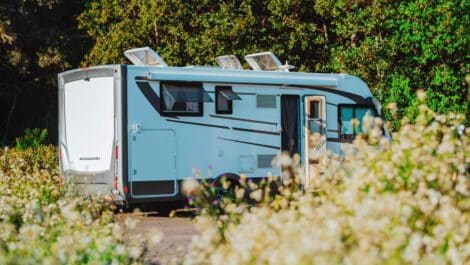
x: 225, y: 185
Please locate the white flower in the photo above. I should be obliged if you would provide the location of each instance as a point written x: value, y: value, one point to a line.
x: 256, y: 195
x: 190, y: 187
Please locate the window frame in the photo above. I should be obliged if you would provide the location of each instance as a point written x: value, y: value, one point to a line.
x: 229, y: 102
x: 350, y: 137
x: 165, y: 112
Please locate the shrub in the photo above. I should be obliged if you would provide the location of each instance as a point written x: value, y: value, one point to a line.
x: 32, y: 138
x: 44, y: 222
x: 401, y: 202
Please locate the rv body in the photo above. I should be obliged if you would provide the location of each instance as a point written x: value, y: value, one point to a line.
x: 135, y: 132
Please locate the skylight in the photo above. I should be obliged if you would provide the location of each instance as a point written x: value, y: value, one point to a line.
x: 145, y: 56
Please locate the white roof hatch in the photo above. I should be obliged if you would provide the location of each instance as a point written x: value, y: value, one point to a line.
x: 145, y: 56
x: 266, y: 61
x: 229, y: 62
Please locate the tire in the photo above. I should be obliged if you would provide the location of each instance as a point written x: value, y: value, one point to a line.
x: 221, y: 192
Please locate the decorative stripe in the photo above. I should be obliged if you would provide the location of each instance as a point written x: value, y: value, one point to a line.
x: 255, y: 131
x: 200, y: 124
x: 246, y: 93
x: 238, y: 93
x: 149, y: 94
x: 250, y: 143
x: 333, y: 131
x: 356, y: 98
x: 241, y: 119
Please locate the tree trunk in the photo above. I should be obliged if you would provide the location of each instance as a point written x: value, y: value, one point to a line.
x: 10, y: 115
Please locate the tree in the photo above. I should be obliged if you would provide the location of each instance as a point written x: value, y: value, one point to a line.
x: 194, y: 32
x: 39, y: 39
x: 397, y: 47
x: 401, y: 46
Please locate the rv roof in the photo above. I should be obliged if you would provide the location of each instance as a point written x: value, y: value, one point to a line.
x: 218, y: 75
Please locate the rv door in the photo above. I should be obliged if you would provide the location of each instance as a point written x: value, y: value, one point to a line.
x: 87, y: 126
x: 315, y: 132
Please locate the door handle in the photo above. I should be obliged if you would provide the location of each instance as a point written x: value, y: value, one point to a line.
x: 136, y: 128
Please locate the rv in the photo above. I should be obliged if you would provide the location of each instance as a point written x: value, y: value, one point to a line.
x: 135, y: 132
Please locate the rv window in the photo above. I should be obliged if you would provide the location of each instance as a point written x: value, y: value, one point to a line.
x: 223, y: 97
x: 183, y: 98
x: 315, y: 109
x: 350, y: 114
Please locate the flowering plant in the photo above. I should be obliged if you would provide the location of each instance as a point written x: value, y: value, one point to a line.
x: 43, y: 221
x: 405, y: 201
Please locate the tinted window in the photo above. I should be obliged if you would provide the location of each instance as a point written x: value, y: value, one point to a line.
x: 182, y: 99
x: 224, y: 97
x: 315, y: 109
x: 348, y: 113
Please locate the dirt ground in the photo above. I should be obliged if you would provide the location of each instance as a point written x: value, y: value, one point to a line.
x: 177, y: 231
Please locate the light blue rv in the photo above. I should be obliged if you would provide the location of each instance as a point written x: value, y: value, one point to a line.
x: 135, y: 132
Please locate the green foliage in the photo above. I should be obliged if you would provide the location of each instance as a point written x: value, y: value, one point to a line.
x: 32, y: 138
x: 38, y: 39
x: 401, y: 46
x: 397, y: 47
x: 45, y: 221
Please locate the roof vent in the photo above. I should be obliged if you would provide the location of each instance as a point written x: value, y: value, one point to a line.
x: 229, y: 62
x: 145, y: 56
x: 266, y: 61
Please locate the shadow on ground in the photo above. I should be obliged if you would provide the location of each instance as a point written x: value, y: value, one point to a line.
x: 178, y: 230
x: 160, y: 209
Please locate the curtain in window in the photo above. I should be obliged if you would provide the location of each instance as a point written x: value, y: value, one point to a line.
x: 290, y: 124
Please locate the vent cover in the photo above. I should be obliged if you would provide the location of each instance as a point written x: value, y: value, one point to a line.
x: 265, y: 101
x: 266, y: 61
x: 145, y: 56
x: 264, y: 161
x: 229, y: 62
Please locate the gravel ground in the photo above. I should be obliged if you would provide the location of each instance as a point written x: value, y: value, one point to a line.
x: 177, y: 233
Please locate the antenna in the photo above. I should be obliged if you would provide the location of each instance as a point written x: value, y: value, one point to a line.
x: 286, y: 67
x: 145, y: 56
x: 229, y: 62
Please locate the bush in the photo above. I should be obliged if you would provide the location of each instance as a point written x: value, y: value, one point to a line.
x: 32, y: 138
x: 44, y: 222
x: 400, y: 202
